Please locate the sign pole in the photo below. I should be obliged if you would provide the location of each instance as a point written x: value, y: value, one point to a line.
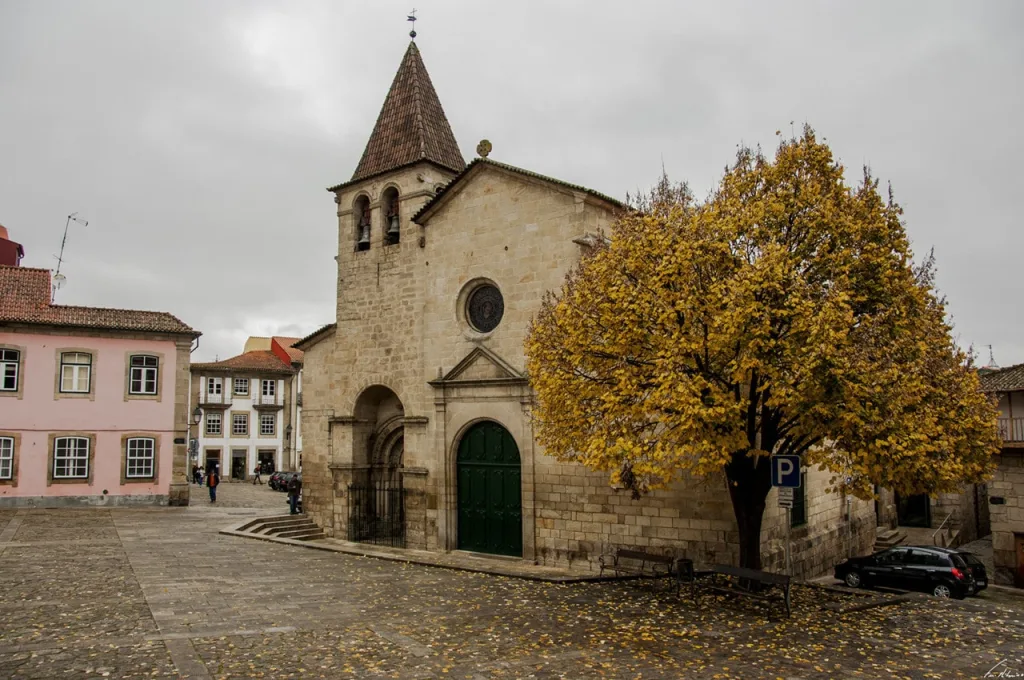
x: 789, y: 523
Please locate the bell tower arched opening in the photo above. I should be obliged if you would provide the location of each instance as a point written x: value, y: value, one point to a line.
x: 361, y: 222
x: 392, y: 216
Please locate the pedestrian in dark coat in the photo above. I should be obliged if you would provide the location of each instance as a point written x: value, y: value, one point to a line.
x: 212, y: 481
x: 294, y: 489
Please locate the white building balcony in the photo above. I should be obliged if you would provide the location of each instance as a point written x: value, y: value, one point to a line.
x: 1012, y: 430
x: 267, y: 401
x: 208, y: 399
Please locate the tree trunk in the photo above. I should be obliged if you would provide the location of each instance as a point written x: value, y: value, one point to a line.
x: 748, y: 488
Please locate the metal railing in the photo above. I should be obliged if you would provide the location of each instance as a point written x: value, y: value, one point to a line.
x: 376, y: 513
x: 267, y: 400
x: 1011, y: 429
x: 209, y: 398
x: 941, y: 542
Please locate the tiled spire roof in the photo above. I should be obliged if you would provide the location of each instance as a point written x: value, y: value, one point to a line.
x: 411, y: 126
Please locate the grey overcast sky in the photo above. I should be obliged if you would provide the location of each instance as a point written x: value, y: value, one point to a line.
x: 198, y: 137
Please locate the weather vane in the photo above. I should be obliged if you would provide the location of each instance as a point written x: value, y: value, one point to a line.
x: 412, y: 18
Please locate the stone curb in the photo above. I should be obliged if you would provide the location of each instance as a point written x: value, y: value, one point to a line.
x: 426, y: 560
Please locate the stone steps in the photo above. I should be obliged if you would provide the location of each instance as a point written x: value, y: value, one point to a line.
x: 298, y: 527
x: 887, y: 538
x: 307, y: 534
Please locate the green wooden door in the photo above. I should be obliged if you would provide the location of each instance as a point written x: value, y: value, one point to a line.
x: 490, y: 500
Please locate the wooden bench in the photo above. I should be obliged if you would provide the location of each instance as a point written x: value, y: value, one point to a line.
x: 638, y: 563
x: 750, y: 583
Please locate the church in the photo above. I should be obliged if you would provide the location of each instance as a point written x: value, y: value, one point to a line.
x: 417, y: 411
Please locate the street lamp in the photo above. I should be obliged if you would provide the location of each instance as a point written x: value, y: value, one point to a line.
x: 193, y: 451
x: 288, y: 445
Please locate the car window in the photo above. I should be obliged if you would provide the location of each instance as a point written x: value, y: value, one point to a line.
x: 970, y: 559
x: 919, y: 557
x: 891, y: 556
x: 958, y: 561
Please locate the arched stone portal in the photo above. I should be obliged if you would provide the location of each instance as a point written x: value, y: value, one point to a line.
x: 490, y: 518
x: 376, y: 512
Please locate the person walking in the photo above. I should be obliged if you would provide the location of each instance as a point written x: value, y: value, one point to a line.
x: 196, y: 477
x: 212, y: 480
x: 256, y: 474
x: 294, y: 488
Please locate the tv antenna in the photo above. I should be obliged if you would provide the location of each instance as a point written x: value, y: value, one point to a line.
x: 58, y: 278
x: 991, y: 357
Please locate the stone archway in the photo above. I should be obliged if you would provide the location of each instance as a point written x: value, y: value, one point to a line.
x: 376, y: 512
x: 489, y: 479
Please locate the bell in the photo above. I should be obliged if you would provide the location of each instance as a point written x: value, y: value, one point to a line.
x: 364, y: 236
x: 393, y: 229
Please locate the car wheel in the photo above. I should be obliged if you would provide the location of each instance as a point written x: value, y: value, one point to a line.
x: 942, y: 590
x: 853, y: 580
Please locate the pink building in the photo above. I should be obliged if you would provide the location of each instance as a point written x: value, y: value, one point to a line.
x: 93, y: 402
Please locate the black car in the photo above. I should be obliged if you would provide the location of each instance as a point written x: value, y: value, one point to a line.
x: 939, y: 571
x: 977, y: 571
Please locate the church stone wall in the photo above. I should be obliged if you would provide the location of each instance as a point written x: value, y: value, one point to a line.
x: 401, y: 324
x: 837, y: 527
x: 317, y: 482
x: 580, y: 517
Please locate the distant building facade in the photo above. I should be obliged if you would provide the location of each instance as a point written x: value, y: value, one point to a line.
x: 93, y: 401
x: 417, y: 411
x: 1006, y: 489
x: 250, y: 408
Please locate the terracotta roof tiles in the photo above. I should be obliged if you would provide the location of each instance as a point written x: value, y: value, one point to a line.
x: 25, y: 298
x: 286, y: 342
x: 258, y: 361
x: 1007, y: 379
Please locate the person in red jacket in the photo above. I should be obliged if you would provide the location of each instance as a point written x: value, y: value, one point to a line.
x: 212, y: 480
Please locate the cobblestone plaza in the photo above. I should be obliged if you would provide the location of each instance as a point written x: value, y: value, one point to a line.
x: 158, y: 593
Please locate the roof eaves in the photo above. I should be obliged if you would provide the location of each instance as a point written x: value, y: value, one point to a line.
x: 441, y: 195
x: 353, y: 182
x: 314, y: 337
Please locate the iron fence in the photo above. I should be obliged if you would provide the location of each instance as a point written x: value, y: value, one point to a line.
x: 376, y: 513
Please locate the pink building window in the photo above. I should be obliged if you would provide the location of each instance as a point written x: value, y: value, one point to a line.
x: 144, y: 375
x: 6, y: 457
x: 70, y: 458
x: 141, y: 454
x: 10, y: 363
x: 75, y: 372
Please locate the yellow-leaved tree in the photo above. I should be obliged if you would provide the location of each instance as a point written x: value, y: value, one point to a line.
x: 784, y: 315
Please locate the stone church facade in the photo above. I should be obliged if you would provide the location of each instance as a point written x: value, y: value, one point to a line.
x: 416, y: 417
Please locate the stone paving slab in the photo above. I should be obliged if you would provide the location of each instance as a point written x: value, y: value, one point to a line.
x: 171, y: 597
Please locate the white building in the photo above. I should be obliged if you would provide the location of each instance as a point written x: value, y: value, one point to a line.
x: 250, y: 409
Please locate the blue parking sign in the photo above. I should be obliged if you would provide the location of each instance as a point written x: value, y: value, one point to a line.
x: 786, y: 471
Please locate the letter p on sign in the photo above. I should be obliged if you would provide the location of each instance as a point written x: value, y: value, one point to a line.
x: 786, y: 471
